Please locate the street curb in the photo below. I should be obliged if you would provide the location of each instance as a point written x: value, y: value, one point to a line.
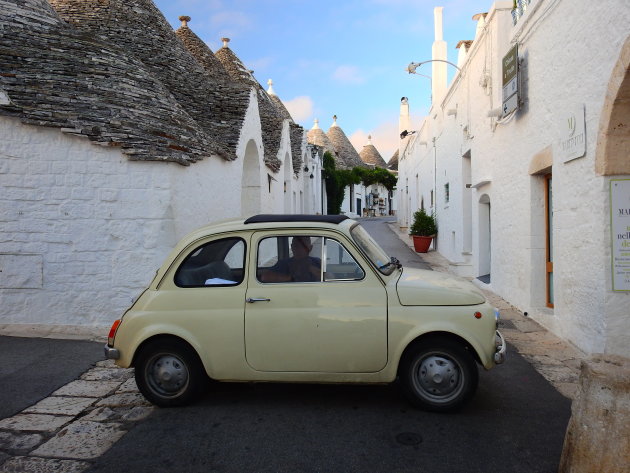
x: 554, y: 358
x: 94, y: 333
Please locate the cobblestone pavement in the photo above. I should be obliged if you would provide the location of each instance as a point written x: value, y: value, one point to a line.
x: 555, y: 359
x: 77, y: 423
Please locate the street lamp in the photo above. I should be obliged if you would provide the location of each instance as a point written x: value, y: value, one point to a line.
x: 411, y: 68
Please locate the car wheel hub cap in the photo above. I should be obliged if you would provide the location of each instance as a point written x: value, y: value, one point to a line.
x: 438, y: 376
x: 169, y: 374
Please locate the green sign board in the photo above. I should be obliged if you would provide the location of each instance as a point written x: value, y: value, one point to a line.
x: 510, y: 65
x: 510, y: 81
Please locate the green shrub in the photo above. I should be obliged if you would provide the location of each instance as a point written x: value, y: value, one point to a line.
x: 423, y: 224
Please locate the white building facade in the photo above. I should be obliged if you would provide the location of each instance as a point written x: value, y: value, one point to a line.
x: 91, y: 201
x: 523, y: 198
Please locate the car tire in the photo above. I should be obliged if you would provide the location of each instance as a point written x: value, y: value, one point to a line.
x: 438, y: 375
x: 169, y: 373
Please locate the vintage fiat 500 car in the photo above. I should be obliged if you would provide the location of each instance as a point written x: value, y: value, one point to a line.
x: 303, y: 298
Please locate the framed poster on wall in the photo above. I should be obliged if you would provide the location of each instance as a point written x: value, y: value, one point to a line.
x: 620, y: 233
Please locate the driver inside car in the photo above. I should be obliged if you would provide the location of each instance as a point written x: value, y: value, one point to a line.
x: 301, y: 267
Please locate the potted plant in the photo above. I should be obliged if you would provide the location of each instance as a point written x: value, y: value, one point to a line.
x: 423, y: 229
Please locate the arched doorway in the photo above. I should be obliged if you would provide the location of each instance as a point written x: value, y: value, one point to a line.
x: 250, y: 181
x: 485, y: 240
x: 613, y: 138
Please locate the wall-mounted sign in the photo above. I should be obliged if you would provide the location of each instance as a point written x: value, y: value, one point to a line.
x: 510, y: 81
x: 572, y: 134
x: 620, y: 233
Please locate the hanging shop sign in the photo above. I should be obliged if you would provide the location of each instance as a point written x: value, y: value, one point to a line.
x: 572, y: 134
x: 620, y: 233
x: 510, y: 81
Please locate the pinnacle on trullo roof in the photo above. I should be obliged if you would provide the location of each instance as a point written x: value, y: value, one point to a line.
x: 348, y: 156
x: 370, y: 155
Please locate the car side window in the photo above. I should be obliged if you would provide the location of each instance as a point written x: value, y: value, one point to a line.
x: 340, y: 264
x: 217, y: 263
x: 305, y: 258
x: 294, y: 258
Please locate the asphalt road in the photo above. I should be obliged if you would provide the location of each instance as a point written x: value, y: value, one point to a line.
x: 515, y: 423
x: 32, y: 368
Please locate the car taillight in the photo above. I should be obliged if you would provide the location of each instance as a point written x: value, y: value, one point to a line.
x: 112, y: 332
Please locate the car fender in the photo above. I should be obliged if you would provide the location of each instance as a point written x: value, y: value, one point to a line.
x: 142, y: 334
x: 446, y: 328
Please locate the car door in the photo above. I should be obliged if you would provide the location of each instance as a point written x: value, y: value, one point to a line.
x: 203, y: 298
x: 331, y: 318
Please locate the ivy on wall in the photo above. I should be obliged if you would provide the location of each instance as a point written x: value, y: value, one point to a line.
x: 338, y: 179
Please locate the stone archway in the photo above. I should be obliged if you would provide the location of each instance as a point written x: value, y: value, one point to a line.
x: 613, y: 138
x: 250, y: 181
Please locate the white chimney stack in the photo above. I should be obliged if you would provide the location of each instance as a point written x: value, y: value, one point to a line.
x: 439, y: 79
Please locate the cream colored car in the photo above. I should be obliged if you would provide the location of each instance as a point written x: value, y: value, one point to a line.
x: 308, y: 299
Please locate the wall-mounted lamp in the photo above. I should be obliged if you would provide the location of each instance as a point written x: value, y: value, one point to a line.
x: 406, y: 133
x: 411, y: 68
x: 311, y: 176
x: 305, y: 168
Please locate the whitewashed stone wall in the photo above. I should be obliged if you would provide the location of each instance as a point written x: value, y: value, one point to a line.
x: 568, y: 51
x: 83, y: 229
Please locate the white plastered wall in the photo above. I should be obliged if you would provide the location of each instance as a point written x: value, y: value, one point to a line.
x: 568, y: 50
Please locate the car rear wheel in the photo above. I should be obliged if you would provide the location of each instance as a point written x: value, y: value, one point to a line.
x: 169, y: 373
x: 438, y: 375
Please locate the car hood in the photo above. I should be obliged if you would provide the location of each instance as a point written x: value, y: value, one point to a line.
x: 422, y: 287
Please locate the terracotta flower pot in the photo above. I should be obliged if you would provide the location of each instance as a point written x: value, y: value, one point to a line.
x: 421, y: 243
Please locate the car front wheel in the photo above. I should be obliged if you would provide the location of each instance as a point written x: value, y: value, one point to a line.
x: 169, y: 373
x: 438, y: 375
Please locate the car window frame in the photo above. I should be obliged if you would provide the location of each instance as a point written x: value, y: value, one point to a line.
x: 313, y: 233
x: 186, y: 253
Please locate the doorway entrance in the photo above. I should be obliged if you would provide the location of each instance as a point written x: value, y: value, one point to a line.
x: 485, y: 239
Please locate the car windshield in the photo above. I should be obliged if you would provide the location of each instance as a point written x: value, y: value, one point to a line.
x: 375, y: 253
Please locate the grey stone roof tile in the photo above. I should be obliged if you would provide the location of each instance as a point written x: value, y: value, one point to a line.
x: 348, y: 156
x: 139, y: 29
x: 392, y: 165
x: 270, y: 118
x: 317, y: 137
x: 370, y: 155
x: 57, y: 76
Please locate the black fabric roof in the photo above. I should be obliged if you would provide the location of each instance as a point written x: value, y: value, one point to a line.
x: 268, y: 218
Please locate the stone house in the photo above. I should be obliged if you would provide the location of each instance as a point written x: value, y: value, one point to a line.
x: 118, y: 136
x: 532, y: 190
x: 378, y: 198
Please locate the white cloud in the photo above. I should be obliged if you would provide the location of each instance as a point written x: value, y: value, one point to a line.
x: 348, y: 75
x: 300, y: 108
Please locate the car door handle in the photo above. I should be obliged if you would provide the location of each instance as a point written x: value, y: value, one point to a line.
x: 251, y: 300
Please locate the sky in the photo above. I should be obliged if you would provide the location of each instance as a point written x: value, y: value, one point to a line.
x: 336, y: 57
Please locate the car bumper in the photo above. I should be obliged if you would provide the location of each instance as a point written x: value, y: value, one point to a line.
x: 501, y: 349
x: 111, y: 353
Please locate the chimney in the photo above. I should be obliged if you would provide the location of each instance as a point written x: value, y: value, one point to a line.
x: 404, y: 122
x: 439, y: 79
